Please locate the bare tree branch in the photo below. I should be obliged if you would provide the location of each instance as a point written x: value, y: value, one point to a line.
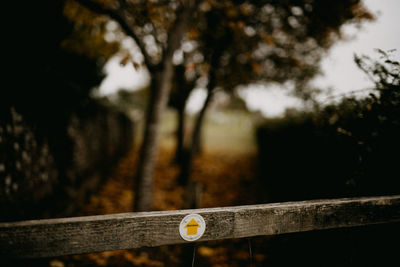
x: 179, y: 28
x: 117, y: 15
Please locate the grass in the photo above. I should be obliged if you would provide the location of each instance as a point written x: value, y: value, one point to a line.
x: 228, y: 131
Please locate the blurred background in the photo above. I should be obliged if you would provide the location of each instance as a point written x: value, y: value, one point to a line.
x: 225, y: 102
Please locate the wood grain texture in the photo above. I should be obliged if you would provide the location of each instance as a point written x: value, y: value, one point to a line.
x: 56, y: 237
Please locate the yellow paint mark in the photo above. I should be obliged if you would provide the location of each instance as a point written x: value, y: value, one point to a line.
x: 192, y: 227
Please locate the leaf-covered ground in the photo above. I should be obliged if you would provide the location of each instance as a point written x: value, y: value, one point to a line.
x: 225, y: 180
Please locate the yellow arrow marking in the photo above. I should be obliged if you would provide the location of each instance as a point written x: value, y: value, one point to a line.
x: 192, y: 227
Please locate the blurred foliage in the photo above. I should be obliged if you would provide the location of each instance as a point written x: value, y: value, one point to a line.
x: 248, y: 41
x: 27, y: 168
x: 345, y: 149
x: 88, y: 35
x: 55, y: 54
x: 57, y: 64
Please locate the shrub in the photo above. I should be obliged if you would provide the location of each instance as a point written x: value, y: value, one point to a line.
x: 346, y: 149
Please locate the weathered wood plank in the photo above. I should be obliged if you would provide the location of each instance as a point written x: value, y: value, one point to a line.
x: 56, y: 237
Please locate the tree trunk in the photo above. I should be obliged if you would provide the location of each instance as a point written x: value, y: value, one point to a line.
x: 196, y: 147
x: 182, y: 92
x: 160, y: 89
x: 180, y: 134
x: 190, y: 153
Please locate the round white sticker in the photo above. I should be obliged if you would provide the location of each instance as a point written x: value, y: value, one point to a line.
x: 192, y: 227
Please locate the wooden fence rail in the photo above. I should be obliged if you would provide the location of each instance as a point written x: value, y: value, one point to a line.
x: 56, y: 237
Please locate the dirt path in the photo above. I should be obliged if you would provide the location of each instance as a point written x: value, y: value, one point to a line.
x: 225, y: 180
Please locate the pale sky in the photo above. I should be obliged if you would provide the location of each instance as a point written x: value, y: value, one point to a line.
x: 341, y: 73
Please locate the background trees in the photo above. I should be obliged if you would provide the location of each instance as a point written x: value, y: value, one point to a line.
x: 243, y: 42
x: 158, y: 29
x: 223, y: 45
x: 200, y: 43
